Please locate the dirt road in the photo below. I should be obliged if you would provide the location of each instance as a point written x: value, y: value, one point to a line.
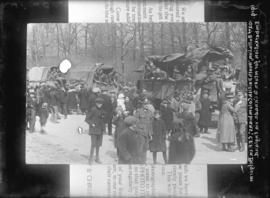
x: 63, y: 145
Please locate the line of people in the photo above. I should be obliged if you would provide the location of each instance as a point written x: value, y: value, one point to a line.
x: 44, y: 100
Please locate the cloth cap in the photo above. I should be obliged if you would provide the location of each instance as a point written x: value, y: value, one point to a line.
x: 131, y: 120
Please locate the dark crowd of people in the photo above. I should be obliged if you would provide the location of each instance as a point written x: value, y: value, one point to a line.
x: 141, y: 122
x: 141, y: 125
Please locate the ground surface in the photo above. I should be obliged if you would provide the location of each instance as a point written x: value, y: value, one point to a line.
x: 63, y: 145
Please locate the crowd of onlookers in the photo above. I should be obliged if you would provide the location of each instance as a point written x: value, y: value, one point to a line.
x: 141, y: 122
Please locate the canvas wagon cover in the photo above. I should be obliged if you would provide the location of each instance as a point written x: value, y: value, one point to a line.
x: 78, y: 74
x: 38, y: 73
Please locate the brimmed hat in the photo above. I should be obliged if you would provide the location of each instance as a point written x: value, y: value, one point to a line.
x: 131, y: 120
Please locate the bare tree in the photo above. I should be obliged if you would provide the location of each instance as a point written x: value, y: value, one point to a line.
x: 210, y: 31
x: 57, y: 39
x: 227, y: 35
x: 172, y: 37
x: 153, y: 50
x: 135, y: 42
x: 141, y: 36
x: 85, y: 38
x: 162, y: 38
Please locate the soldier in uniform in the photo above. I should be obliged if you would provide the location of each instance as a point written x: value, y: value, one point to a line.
x: 241, y: 121
x: 145, y: 118
x: 96, y: 119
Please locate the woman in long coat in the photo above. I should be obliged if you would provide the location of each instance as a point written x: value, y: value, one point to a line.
x: 205, y: 113
x: 158, y: 141
x: 118, y: 121
x: 226, y: 124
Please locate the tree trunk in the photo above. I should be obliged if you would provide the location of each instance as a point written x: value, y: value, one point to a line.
x: 35, y: 49
x: 85, y: 39
x: 122, y: 50
x: 153, y: 50
x: 114, y: 39
x: 76, y: 38
x: 162, y: 38
x: 69, y: 39
x: 172, y: 38
x: 195, y: 32
x: 184, y: 40
x: 135, y: 42
x: 58, y: 41
x: 142, y: 39
x: 208, y: 41
x: 227, y: 35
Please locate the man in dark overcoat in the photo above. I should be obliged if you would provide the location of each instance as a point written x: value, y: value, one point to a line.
x: 167, y: 114
x: 205, y: 112
x: 83, y: 97
x: 96, y: 120
x: 182, y: 146
x: 63, y: 101
x: 130, y: 143
x: 108, y: 107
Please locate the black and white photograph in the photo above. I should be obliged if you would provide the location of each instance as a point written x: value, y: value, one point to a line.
x: 136, y: 93
x: 121, y: 98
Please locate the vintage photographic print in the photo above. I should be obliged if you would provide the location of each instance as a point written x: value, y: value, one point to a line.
x: 136, y: 93
x: 121, y: 98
